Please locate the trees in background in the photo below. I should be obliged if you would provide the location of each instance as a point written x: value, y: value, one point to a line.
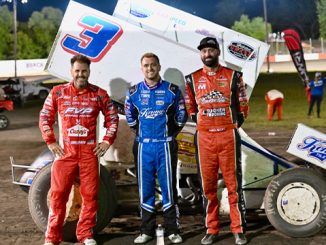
x: 34, y: 38
x: 308, y: 17
x: 321, y: 11
x: 254, y: 28
x: 6, y: 34
x: 300, y: 15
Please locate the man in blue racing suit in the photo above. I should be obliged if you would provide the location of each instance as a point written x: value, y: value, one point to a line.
x: 155, y: 111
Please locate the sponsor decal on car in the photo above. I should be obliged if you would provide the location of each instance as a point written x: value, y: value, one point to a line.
x: 95, y: 40
x: 139, y: 11
x: 315, y: 147
x: 241, y: 51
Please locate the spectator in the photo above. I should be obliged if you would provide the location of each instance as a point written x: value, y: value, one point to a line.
x: 317, y: 91
x: 274, y: 100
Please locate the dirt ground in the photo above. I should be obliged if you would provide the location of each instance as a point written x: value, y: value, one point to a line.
x: 23, y: 141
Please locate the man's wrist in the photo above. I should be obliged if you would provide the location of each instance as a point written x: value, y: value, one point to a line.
x: 106, y: 142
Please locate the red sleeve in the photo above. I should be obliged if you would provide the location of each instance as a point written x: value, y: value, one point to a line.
x: 111, y: 119
x: 190, y: 99
x: 243, y: 106
x: 47, y: 118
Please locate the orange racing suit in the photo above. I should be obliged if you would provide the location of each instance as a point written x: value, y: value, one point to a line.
x: 78, y: 110
x: 217, y: 102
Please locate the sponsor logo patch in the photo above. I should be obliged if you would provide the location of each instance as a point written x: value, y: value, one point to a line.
x: 215, y: 112
x: 202, y: 79
x: 222, y: 84
x: 78, y: 131
x: 213, y: 96
x: 147, y: 113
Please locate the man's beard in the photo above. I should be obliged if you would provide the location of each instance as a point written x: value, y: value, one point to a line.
x: 211, y: 63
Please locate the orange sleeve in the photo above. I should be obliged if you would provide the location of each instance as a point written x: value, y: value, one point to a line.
x: 243, y: 106
x: 191, y: 104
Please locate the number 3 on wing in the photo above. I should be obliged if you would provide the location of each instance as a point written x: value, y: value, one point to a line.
x: 95, y: 40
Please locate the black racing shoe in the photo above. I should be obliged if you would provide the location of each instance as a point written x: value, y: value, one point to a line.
x: 209, y: 239
x: 240, y: 238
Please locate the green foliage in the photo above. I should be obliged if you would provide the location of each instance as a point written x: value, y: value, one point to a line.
x: 34, y: 39
x: 295, y: 103
x: 45, y: 25
x: 255, y: 28
x: 6, y: 33
x: 321, y: 12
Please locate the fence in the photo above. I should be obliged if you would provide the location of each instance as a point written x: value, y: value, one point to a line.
x: 278, y: 46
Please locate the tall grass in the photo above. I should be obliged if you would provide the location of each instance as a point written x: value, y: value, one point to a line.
x: 295, y: 103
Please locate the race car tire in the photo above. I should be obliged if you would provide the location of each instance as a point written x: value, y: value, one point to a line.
x: 295, y: 202
x: 42, y: 94
x: 4, y: 122
x: 38, y: 202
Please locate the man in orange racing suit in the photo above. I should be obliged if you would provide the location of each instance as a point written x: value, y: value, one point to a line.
x: 216, y: 100
x: 78, y: 104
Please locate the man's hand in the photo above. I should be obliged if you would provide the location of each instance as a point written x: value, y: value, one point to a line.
x: 56, y: 150
x: 101, y: 149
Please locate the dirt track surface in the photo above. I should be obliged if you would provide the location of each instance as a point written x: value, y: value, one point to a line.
x: 23, y: 141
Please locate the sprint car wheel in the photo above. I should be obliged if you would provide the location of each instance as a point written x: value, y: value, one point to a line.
x: 295, y: 202
x: 42, y: 94
x: 39, y: 201
x: 4, y: 122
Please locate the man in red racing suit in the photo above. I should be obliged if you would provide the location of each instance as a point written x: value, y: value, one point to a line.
x: 78, y: 104
x: 216, y: 100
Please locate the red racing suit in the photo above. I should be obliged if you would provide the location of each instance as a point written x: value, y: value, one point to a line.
x: 217, y: 102
x: 78, y: 110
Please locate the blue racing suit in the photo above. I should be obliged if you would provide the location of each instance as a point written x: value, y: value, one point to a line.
x: 156, y: 114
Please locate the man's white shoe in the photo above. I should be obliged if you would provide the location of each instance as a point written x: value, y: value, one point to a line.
x: 90, y: 241
x: 143, y: 238
x: 48, y: 243
x: 175, y: 238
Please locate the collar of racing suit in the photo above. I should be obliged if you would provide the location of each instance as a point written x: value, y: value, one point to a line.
x: 80, y: 91
x: 159, y: 83
x: 212, y: 73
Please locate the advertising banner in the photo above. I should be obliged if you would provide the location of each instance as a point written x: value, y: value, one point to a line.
x: 293, y: 43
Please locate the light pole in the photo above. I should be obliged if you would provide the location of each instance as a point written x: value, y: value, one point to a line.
x: 15, y: 31
x: 266, y: 35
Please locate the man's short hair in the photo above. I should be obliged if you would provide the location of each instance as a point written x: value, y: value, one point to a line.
x: 81, y: 59
x: 150, y: 55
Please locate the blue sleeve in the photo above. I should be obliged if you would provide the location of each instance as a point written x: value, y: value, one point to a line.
x: 130, y: 112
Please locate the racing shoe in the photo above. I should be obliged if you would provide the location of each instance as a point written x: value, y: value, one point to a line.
x: 143, y: 238
x: 209, y: 239
x: 90, y: 241
x: 240, y: 238
x: 175, y: 238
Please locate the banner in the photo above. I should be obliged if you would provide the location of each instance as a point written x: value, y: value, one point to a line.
x: 293, y: 43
